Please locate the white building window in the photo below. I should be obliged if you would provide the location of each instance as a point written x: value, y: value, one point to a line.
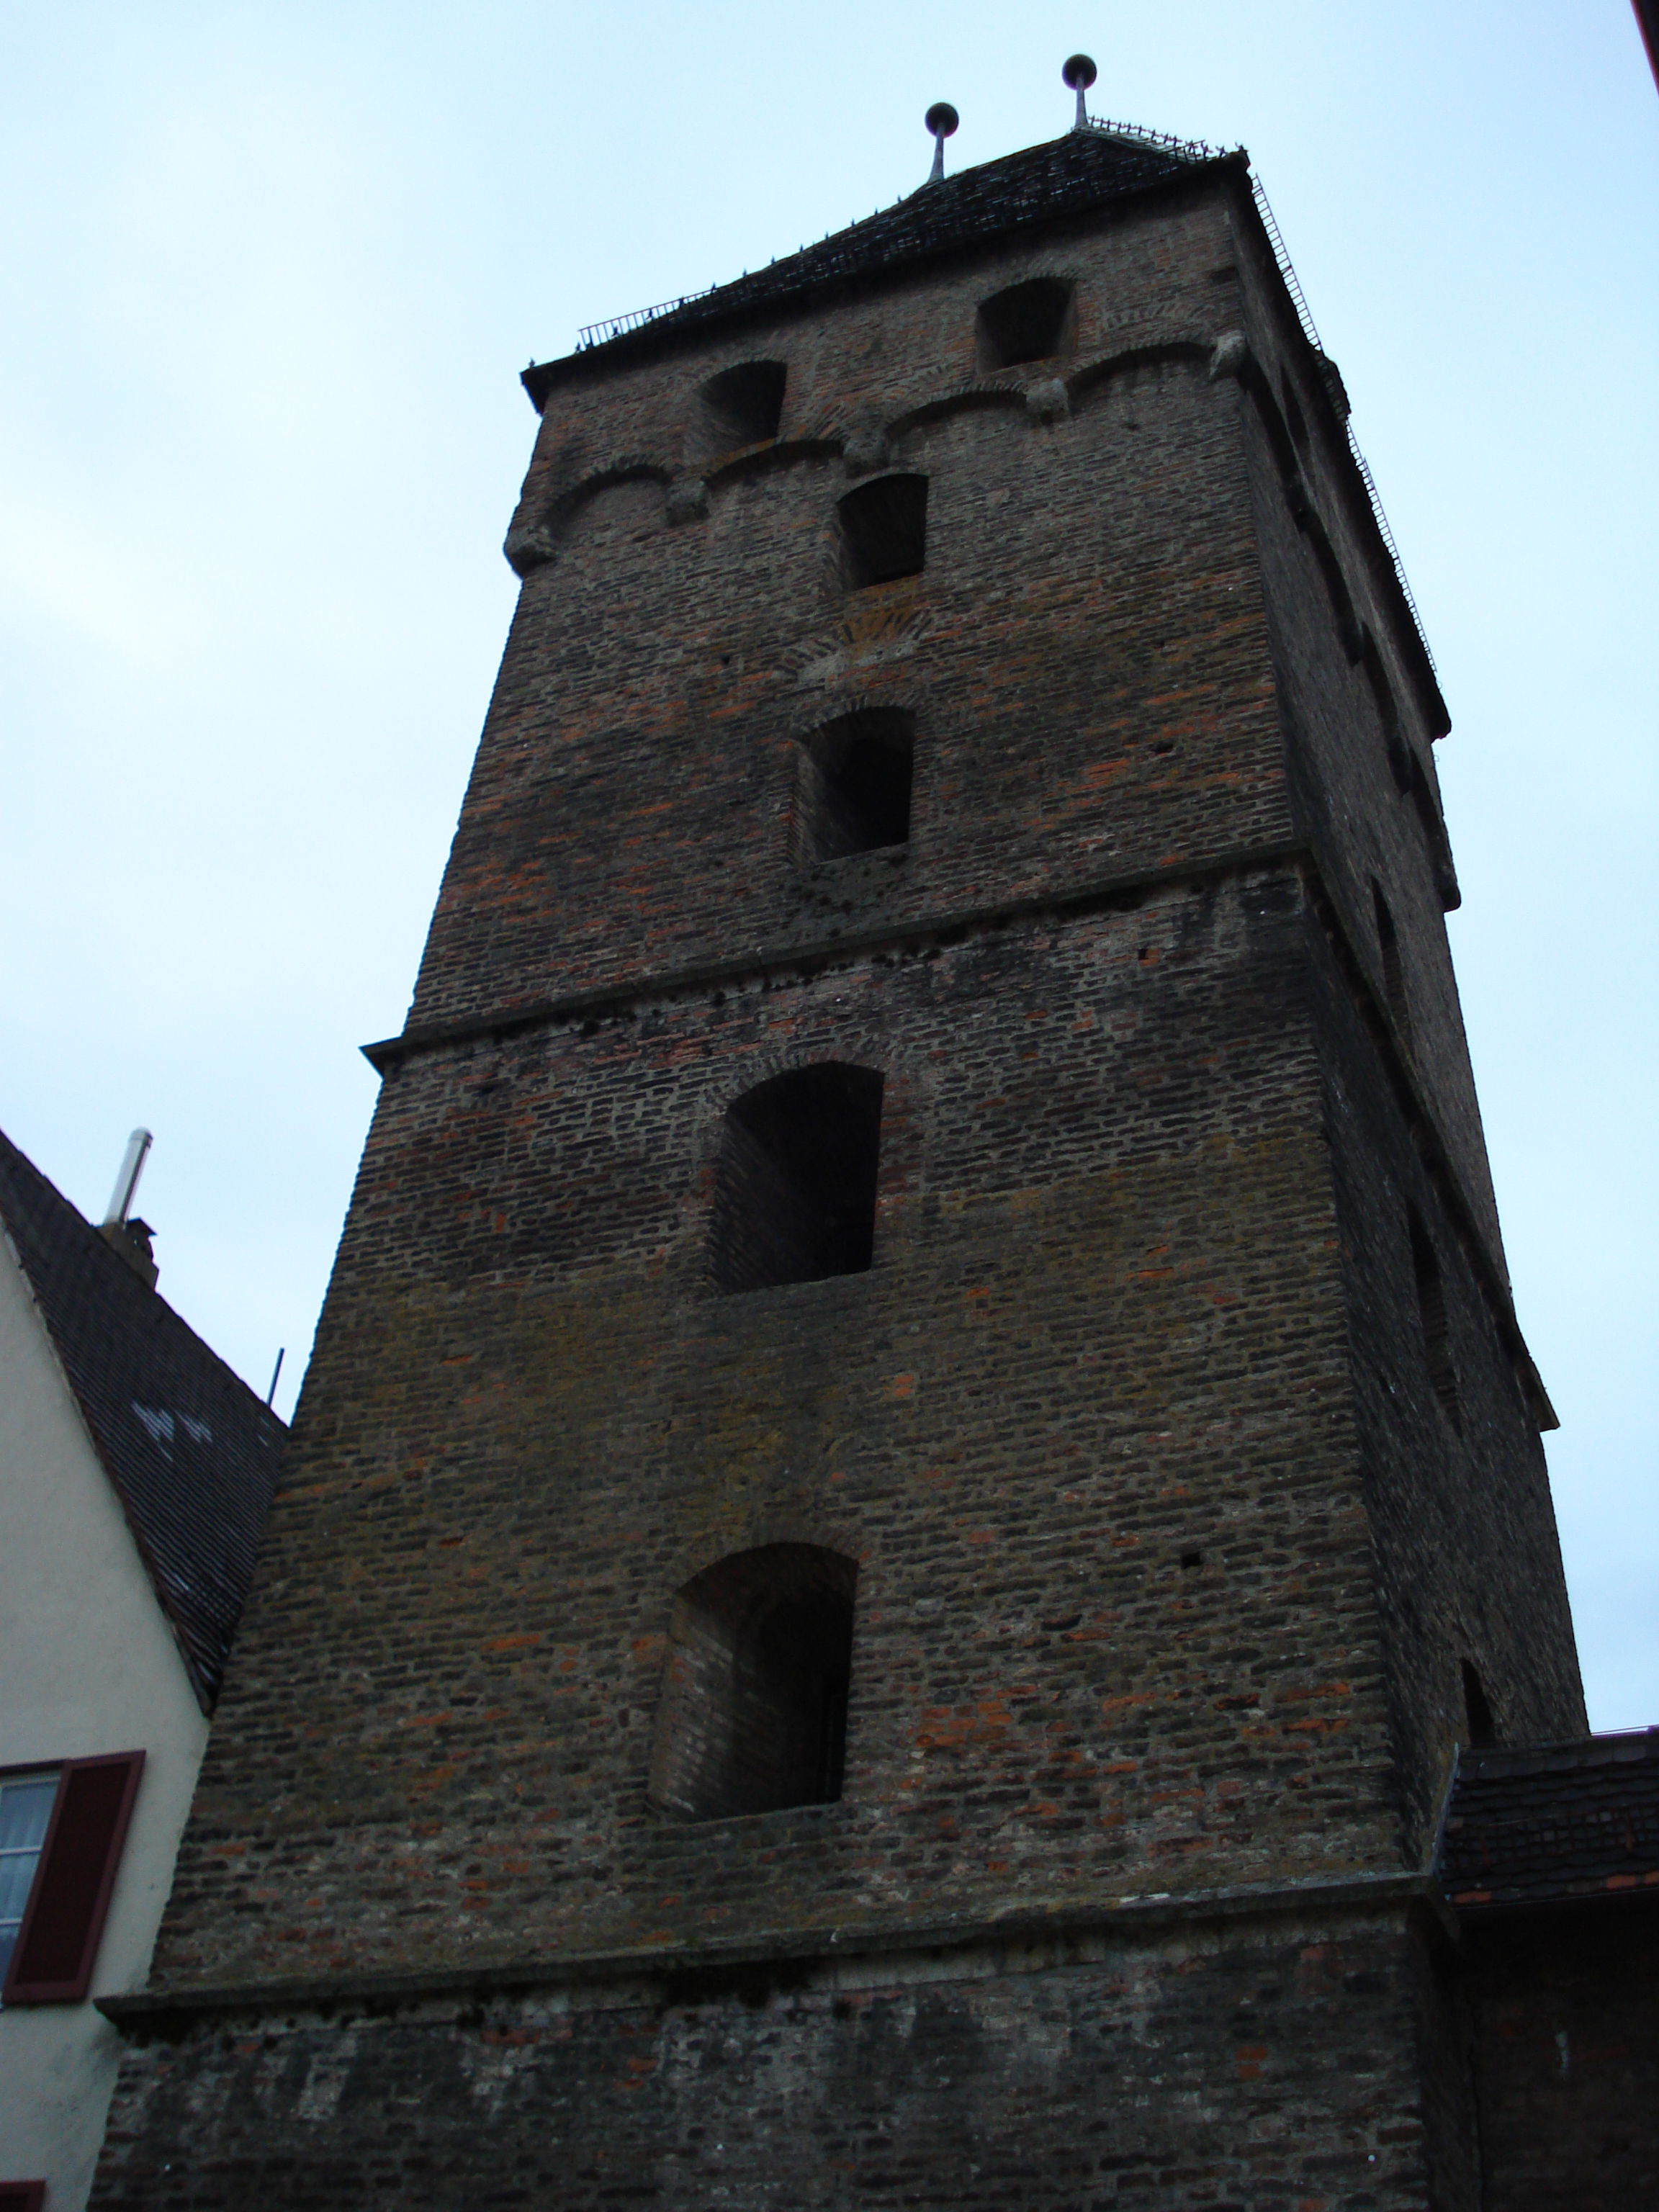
x: 26, y: 1802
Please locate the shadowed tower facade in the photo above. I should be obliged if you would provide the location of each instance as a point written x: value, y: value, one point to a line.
x: 918, y: 1452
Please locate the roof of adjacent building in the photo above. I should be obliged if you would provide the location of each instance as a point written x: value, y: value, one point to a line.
x: 1066, y: 176
x: 191, y: 1451
x: 1551, y: 1823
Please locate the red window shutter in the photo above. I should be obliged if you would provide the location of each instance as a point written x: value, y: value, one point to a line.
x: 23, y: 2196
x: 63, y: 1918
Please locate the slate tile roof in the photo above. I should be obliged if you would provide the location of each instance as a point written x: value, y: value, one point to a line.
x: 1066, y: 176
x: 191, y: 1451
x: 1545, y: 1824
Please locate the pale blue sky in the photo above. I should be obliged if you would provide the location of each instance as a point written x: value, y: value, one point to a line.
x: 268, y: 274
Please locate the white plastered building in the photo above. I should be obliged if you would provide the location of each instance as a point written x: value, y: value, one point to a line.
x: 136, y: 1470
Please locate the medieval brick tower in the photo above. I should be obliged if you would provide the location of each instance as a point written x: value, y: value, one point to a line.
x: 918, y: 1452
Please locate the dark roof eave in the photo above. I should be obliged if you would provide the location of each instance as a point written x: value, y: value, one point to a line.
x: 693, y: 323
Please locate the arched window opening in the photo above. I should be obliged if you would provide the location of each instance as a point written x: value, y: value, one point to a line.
x: 742, y: 406
x: 1432, y: 1312
x: 1393, y: 973
x: 754, y: 1704
x: 1028, y: 322
x: 883, y: 530
x: 795, y: 1183
x: 1477, y: 1712
x: 853, y: 785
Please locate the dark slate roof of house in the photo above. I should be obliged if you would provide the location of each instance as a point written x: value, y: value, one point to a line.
x: 191, y: 1451
x: 1067, y: 176
x: 1551, y: 1823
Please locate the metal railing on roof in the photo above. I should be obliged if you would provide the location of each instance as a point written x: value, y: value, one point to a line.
x: 1194, y: 149
x: 1310, y: 332
x: 593, y: 334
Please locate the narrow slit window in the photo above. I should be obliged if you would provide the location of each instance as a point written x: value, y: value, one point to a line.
x: 741, y: 406
x: 1393, y: 973
x: 1296, y: 421
x: 795, y: 1181
x: 753, y: 1717
x: 1477, y: 1712
x: 1431, y: 1313
x: 1401, y: 762
x: 1030, y: 321
x: 883, y: 530
x: 853, y: 785
x: 1336, y: 587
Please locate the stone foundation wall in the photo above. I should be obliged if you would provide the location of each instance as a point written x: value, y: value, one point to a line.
x: 1277, y: 2066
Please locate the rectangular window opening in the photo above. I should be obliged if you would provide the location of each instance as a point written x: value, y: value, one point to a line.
x: 1030, y: 321
x: 852, y: 787
x: 884, y: 530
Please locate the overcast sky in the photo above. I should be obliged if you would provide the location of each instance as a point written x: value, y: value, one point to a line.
x: 270, y: 273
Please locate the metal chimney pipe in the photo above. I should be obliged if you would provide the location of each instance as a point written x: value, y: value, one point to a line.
x: 126, y: 1183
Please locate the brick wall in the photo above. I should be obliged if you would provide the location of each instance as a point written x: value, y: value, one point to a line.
x: 1085, y: 651
x: 1469, y: 1565
x: 1163, y: 1565
x: 1345, y: 773
x: 1104, y: 1329
x: 1271, y: 2067
x: 1567, y: 2060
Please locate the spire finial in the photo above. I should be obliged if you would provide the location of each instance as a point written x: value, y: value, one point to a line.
x: 941, y: 119
x: 1080, y: 73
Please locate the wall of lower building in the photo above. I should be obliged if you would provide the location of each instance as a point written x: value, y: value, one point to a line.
x: 89, y: 1666
x: 1271, y: 2064
x: 1566, y: 2030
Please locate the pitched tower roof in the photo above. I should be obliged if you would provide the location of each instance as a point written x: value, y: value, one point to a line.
x: 1084, y: 170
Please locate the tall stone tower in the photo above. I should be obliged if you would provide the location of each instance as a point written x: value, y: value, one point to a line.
x: 918, y: 1452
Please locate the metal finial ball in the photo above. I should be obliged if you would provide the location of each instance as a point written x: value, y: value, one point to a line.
x: 941, y: 118
x: 1080, y: 73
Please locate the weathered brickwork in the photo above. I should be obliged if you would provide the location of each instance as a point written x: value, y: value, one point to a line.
x: 1103, y: 1327
x: 1268, y: 2068
x: 1162, y: 1547
x: 1344, y: 771
x: 1468, y: 1563
x: 1086, y: 651
x: 1568, y: 2067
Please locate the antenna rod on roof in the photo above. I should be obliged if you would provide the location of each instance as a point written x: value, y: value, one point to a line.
x: 126, y: 1183
x: 270, y: 1395
x: 941, y: 119
x: 1080, y: 73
